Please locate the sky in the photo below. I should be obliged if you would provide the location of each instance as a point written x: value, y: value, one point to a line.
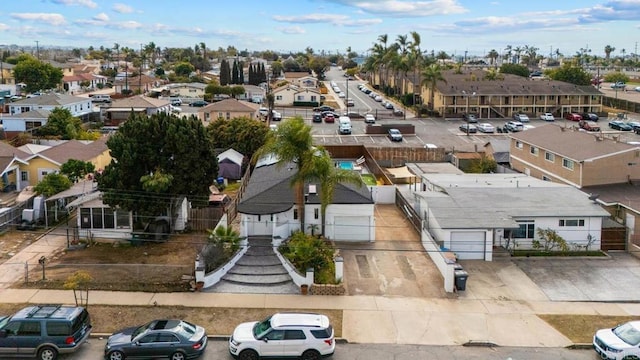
x: 454, y: 26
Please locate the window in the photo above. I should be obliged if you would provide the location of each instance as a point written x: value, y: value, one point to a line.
x: 85, y: 218
x: 300, y: 97
x: 58, y: 328
x: 275, y: 335
x: 24, y: 176
x: 525, y: 231
x: 122, y: 219
x: 109, y: 218
x: 571, y: 222
x: 549, y: 156
x: 533, y: 150
x: 279, y: 97
x: 518, y: 145
x: 29, y: 328
x: 314, y: 98
x: 294, y: 335
x: 568, y: 164
x: 168, y: 338
x: 546, y: 178
x: 295, y: 214
x: 322, y: 334
x: 96, y: 217
x: 316, y: 213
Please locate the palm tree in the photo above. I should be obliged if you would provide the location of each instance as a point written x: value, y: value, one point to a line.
x: 518, y: 51
x: 442, y: 55
x: 430, y: 77
x: 291, y: 142
x: 322, y: 168
x: 607, y: 51
x: 493, y: 55
x: 508, y: 52
x: 116, y: 47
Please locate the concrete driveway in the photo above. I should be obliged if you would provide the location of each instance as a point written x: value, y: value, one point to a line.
x: 394, y: 265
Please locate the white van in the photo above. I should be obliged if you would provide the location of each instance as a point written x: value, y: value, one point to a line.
x: 344, y: 125
x: 101, y: 98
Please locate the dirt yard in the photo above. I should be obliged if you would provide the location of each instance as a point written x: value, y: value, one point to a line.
x: 217, y: 321
x: 12, y: 241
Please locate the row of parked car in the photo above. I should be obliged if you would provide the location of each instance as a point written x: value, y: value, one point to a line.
x: 44, y: 331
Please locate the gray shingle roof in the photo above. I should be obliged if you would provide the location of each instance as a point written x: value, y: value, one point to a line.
x: 51, y: 100
x: 575, y: 145
x: 269, y: 191
x: 74, y: 149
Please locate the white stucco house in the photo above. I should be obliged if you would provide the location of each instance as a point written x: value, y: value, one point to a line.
x: 470, y: 214
x: 288, y: 95
x: 268, y: 206
x: 80, y: 107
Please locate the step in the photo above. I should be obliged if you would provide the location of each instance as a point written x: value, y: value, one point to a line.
x: 229, y: 287
x: 257, y: 270
x: 257, y: 279
x: 259, y: 260
x: 260, y: 250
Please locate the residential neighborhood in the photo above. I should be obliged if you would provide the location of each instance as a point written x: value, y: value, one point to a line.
x: 410, y: 188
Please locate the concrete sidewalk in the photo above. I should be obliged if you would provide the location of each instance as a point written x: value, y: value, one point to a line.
x: 378, y: 319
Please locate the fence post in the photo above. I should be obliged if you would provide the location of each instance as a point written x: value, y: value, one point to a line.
x: 26, y: 272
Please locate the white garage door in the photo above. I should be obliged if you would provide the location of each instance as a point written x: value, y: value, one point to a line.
x: 354, y: 228
x: 468, y: 245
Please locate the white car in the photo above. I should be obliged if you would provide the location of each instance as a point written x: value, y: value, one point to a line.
x: 263, y: 111
x: 620, y: 342
x: 275, y: 116
x: 378, y: 98
x: 514, y: 126
x: 341, y: 95
x: 297, y: 335
x: 547, y: 117
x: 486, y: 128
x: 175, y: 109
x: 369, y: 119
x: 523, y: 118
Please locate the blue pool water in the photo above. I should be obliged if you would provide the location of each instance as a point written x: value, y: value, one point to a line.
x: 345, y: 165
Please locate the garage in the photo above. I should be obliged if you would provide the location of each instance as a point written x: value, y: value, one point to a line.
x: 351, y: 228
x: 468, y: 245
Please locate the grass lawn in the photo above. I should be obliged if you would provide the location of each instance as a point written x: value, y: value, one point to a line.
x: 368, y: 179
x: 581, y: 328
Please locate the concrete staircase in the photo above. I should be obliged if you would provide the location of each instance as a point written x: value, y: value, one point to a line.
x: 259, y: 271
x: 501, y: 254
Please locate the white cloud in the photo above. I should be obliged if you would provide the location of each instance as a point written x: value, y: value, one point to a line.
x: 401, y: 8
x: 332, y: 19
x: 122, y: 8
x: 87, y: 3
x: 4, y: 27
x: 292, y: 30
x: 101, y: 17
x: 49, y: 18
x: 129, y: 25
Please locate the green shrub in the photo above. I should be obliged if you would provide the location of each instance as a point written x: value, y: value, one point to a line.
x: 306, y: 251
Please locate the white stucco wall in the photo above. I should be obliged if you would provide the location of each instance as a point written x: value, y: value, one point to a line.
x: 337, y: 210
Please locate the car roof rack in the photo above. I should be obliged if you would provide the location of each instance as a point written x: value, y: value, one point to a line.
x: 45, y: 310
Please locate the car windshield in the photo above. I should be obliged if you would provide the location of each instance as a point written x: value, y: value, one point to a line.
x: 186, y: 329
x: 262, y: 328
x: 628, y: 333
x: 142, y: 329
x: 4, y: 321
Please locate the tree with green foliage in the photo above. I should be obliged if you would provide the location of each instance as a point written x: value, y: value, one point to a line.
x: 431, y: 75
x: 225, y: 73
x: 156, y: 160
x: 292, y: 142
x: 549, y: 240
x: 241, y: 134
x: 235, y: 73
x: 183, y: 69
x: 61, y: 123
x: 319, y: 65
x: 515, y: 69
x: 571, y: 74
x: 76, y: 169
x: 222, y: 244
x: 616, y: 77
x: 36, y: 74
x: 484, y: 165
x: 52, y: 184
x: 308, y: 252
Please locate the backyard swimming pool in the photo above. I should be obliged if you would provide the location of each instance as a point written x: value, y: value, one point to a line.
x: 345, y: 165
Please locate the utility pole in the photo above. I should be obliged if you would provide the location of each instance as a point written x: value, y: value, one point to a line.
x: 140, y: 71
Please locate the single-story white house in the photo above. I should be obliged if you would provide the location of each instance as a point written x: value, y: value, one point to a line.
x: 268, y: 206
x: 470, y: 214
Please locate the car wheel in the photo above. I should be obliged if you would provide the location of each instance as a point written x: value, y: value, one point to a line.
x: 47, y: 353
x: 115, y: 355
x: 310, y: 355
x: 178, y: 356
x: 630, y: 357
x: 248, y: 355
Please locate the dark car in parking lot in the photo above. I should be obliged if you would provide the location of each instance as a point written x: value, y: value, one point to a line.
x: 167, y: 339
x: 317, y: 118
x: 395, y: 135
x: 590, y: 116
x: 620, y: 125
x: 44, y: 331
x: 199, y: 103
x: 470, y: 118
x: 468, y: 128
x: 323, y: 108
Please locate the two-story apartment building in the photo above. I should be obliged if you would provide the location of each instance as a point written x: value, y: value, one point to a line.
x: 289, y: 95
x: 555, y: 153
x: 473, y: 92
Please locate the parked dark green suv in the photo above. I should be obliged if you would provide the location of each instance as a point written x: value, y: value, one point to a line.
x: 44, y: 331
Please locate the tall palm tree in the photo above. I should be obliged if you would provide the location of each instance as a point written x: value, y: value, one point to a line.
x: 322, y: 168
x: 508, y: 53
x: 493, y: 56
x: 430, y: 77
x: 116, y: 47
x: 607, y: 51
x: 292, y: 142
x: 518, y: 51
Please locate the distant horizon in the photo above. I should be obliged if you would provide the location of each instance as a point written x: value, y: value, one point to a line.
x: 474, y: 27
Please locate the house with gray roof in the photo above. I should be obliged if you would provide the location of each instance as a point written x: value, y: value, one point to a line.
x: 578, y: 158
x: 268, y: 206
x: 120, y: 109
x: 24, y: 121
x: 80, y: 107
x: 230, y: 164
x: 228, y: 109
x: 470, y: 214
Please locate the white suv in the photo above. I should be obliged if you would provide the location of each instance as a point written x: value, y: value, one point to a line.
x: 297, y: 335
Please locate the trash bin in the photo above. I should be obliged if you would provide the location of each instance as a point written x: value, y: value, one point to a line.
x: 460, y: 279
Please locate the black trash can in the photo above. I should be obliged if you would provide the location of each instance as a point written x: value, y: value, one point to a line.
x: 460, y: 279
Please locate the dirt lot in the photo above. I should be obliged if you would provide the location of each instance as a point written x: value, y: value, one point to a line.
x: 217, y: 321
x: 580, y: 328
x: 12, y: 241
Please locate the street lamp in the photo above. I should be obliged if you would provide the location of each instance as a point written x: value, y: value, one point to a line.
x: 467, y: 95
x: 347, y: 98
